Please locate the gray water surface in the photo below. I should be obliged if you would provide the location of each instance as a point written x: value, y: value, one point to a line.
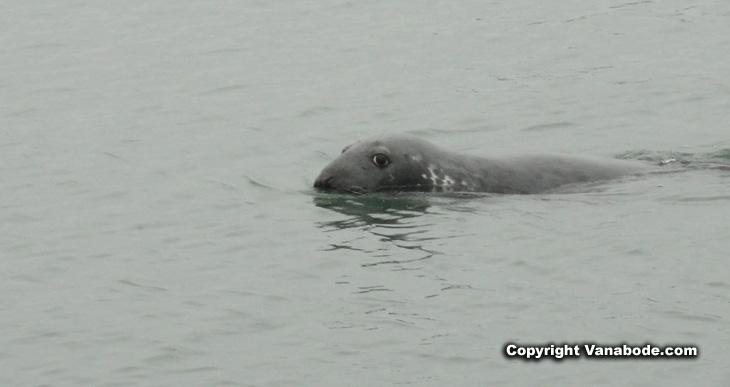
x: 158, y: 225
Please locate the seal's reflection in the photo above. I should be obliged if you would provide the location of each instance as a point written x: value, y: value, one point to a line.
x: 371, y: 209
x: 393, y: 219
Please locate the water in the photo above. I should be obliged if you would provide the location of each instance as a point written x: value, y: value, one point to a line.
x: 158, y: 225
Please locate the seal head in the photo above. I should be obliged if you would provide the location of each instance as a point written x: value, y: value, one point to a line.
x: 386, y: 163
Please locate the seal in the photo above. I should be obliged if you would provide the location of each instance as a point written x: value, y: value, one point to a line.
x: 403, y: 162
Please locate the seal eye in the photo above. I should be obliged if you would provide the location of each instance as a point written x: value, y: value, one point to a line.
x: 381, y: 160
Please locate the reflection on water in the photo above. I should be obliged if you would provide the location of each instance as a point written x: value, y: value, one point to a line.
x: 393, y: 218
x: 372, y: 208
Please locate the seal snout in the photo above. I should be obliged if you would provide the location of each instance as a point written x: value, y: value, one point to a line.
x: 324, y: 181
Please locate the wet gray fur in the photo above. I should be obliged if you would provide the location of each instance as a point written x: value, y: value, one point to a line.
x: 418, y: 165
